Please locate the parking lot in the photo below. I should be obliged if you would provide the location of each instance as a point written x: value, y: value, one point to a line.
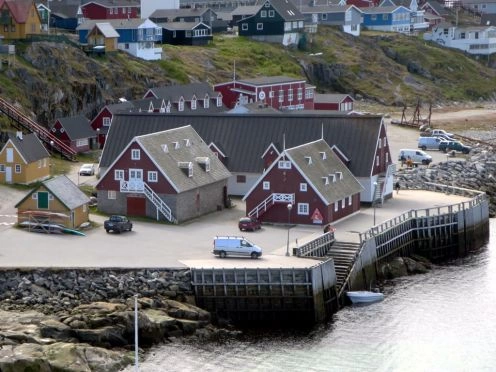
x: 153, y: 244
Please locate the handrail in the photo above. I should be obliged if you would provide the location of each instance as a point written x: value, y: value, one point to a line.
x: 43, y: 134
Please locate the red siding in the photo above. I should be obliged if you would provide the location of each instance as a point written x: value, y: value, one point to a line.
x: 384, y: 160
x: 96, y: 11
x: 136, y: 205
x: 269, y: 157
x: 125, y: 163
x: 326, y: 106
x: 97, y: 123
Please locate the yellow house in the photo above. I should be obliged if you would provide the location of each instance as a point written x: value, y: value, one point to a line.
x: 103, y: 34
x: 18, y: 19
x: 57, y: 200
x: 24, y: 160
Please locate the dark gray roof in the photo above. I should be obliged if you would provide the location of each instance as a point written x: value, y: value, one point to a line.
x: 118, y: 107
x: 77, y: 127
x: 178, y: 13
x: 244, y: 138
x: 30, y: 147
x: 286, y: 9
x: 318, y: 171
x: 64, y: 190
x: 269, y: 80
x: 488, y: 19
x: 245, y: 10
x: 330, y: 8
x: 64, y: 10
x: 330, y: 97
x: 181, y: 25
x: 195, y: 153
x: 174, y: 92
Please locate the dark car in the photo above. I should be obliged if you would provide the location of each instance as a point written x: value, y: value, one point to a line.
x: 454, y: 146
x: 118, y: 224
x: 249, y: 223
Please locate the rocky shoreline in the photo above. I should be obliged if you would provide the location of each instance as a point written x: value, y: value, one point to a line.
x: 83, y: 320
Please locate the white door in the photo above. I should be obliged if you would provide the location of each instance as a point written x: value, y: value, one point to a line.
x: 136, y: 180
x: 8, y: 174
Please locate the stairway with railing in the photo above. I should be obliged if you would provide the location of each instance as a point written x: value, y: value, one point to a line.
x: 344, y: 255
x: 159, y: 203
x: 28, y: 124
x: 268, y: 202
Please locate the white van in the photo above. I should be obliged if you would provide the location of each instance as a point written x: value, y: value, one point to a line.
x: 429, y: 143
x: 417, y: 156
x: 235, y: 246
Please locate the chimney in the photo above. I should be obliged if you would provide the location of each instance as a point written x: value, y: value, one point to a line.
x: 19, y: 135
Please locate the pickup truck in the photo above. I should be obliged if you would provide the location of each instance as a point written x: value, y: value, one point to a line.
x: 454, y: 146
x: 441, y: 132
x: 118, y: 224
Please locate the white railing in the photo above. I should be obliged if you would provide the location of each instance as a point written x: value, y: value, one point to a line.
x: 138, y: 186
x: 269, y: 202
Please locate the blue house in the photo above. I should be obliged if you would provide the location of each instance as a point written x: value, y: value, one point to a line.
x: 387, y: 18
x: 136, y: 36
x: 64, y: 16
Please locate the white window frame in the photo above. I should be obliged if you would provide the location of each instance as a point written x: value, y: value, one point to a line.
x: 118, y: 174
x: 336, y: 206
x: 303, y: 209
x: 111, y: 194
x: 152, y: 176
x: 244, y: 26
x: 271, y: 13
x: 377, y: 160
x: 106, y: 121
x: 263, y: 14
x: 343, y: 203
x: 290, y: 95
x: 193, y: 104
x: 281, y: 95
x: 17, y: 168
x: 135, y: 154
x: 350, y: 200
x: 303, y: 187
x: 259, y: 26
x: 266, y: 185
x: 181, y: 105
x: 2, y: 168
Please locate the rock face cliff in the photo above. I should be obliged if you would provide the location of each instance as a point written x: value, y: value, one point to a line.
x: 60, y: 80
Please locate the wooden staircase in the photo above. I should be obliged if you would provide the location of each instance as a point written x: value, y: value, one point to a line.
x: 344, y: 255
x: 52, y: 143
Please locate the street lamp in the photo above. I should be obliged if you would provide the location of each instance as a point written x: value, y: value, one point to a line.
x: 373, y: 200
x: 290, y: 206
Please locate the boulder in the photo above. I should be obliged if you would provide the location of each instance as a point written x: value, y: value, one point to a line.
x: 414, y: 267
x: 59, y: 331
x: 182, y: 310
x: 103, y: 337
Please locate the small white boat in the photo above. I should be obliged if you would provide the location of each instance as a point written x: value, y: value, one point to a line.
x: 364, y: 297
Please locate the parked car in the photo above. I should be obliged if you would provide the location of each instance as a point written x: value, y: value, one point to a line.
x: 429, y: 143
x: 249, y: 223
x: 118, y: 224
x: 454, y: 146
x: 235, y: 246
x: 416, y: 156
x: 437, y: 132
x: 87, y: 170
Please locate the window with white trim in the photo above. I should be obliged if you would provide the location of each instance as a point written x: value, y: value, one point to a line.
x: 303, y: 209
x: 284, y: 164
x: 379, y: 143
x: 259, y: 26
x: 281, y: 95
x: 106, y: 121
x: 219, y: 101
x: 343, y: 203
x: 290, y: 95
x: 266, y: 185
x: 303, y: 186
x: 18, y: 168
x: 244, y: 26
x: 2, y: 168
x: 152, y: 176
x: 181, y: 105
x: 377, y: 160
x: 308, y: 93
x: 271, y: 13
x: 263, y: 14
x: 206, y: 103
x: 300, y: 94
x: 112, y: 195
x: 384, y: 140
x: 193, y: 104
x: 118, y: 174
x: 135, y: 154
x: 349, y: 200
x: 271, y: 94
x: 336, y: 206
x: 82, y: 142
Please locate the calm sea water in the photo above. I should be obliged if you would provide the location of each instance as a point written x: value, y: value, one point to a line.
x: 441, y: 321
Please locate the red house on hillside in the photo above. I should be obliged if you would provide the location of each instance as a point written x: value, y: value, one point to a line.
x: 75, y: 132
x: 310, y: 177
x: 333, y: 102
x: 111, y: 9
x: 279, y: 92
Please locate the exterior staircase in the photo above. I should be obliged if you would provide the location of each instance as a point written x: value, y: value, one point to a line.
x: 22, y: 121
x: 269, y: 202
x: 344, y: 255
x: 378, y: 198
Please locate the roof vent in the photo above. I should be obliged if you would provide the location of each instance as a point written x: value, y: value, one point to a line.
x: 186, y: 167
x: 187, y: 142
x: 339, y: 175
x: 204, y: 162
x: 309, y: 159
x: 176, y: 145
x: 165, y: 148
x: 333, y: 177
x: 323, y: 155
x: 326, y: 180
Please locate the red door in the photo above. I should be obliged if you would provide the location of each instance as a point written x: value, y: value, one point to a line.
x: 136, y: 205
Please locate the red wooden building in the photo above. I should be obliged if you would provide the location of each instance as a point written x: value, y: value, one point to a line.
x: 334, y: 102
x: 310, y: 177
x: 111, y: 9
x: 75, y: 132
x: 279, y: 92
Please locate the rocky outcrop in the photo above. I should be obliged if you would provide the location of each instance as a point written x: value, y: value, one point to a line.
x: 476, y: 172
x: 86, y: 320
x: 403, y: 266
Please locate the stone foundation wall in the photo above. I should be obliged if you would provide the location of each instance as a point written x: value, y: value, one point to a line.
x: 62, y: 289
